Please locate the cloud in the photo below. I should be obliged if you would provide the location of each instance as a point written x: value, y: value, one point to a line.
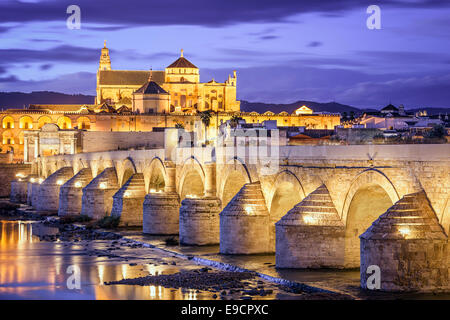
x: 81, y: 82
x: 180, y: 12
x: 59, y: 53
x: 314, y: 44
x: 268, y: 37
x: 415, y: 91
x: 46, y: 66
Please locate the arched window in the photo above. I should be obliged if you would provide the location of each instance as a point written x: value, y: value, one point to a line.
x: 26, y: 123
x: 84, y: 123
x: 7, y: 137
x: 8, y: 123
x: 64, y: 123
x: 43, y: 121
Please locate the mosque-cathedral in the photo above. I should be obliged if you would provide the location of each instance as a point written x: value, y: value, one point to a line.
x: 143, y: 100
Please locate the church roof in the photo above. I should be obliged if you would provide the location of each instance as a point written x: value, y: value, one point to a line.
x: 390, y: 107
x: 151, y: 87
x: 182, y: 62
x: 125, y: 77
x: 59, y: 107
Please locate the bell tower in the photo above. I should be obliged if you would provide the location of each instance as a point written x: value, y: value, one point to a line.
x: 105, y: 60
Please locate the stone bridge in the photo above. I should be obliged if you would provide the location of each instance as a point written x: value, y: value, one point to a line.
x: 310, y: 207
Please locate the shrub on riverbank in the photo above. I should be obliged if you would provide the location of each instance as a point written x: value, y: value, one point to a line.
x: 105, y: 223
x: 75, y: 219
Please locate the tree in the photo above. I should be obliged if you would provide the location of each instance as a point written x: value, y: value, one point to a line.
x: 438, y: 131
x: 179, y: 125
x: 352, y: 115
x: 206, y: 116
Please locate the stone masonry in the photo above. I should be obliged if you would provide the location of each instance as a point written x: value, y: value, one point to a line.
x: 409, y: 246
x: 128, y: 201
x: 199, y: 221
x: 97, y: 195
x: 244, y: 223
x: 311, y: 235
x: 71, y: 193
x: 49, y: 189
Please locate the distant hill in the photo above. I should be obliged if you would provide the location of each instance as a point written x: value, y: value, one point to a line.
x: 333, y: 107
x: 21, y: 99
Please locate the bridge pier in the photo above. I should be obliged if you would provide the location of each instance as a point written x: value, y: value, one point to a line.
x: 199, y: 217
x: 48, y: 199
x: 33, y: 191
x: 409, y: 246
x: 311, y: 235
x: 71, y: 193
x: 97, y: 195
x: 244, y: 223
x: 128, y: 201
x: 19, y: 189
x: 199, y: 221
x: 161, y: 210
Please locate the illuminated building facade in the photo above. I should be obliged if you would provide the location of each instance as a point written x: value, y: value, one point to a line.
x: 139, y: 101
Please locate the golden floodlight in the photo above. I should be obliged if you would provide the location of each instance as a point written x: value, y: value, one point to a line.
x: 32, y: 180
x: 248, y: 209
x: 78, y: 184
x: 60, y: 182
x: 309, y: 219
x: 103, y: 185
x: 404, y: 231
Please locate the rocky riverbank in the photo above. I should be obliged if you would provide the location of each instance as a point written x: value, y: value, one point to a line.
x: 179, y: 273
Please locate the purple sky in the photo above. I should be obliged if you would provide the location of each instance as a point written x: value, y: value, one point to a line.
x: 283, y: 50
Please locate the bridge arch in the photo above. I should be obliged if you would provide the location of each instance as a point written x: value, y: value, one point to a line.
x: 155, y: 175
x: 192, y: 179
x: 77, y: 165
x: 49, y: 167
x: 125, y: 170
x: 61, y: 163
x: 233, y: 176
x: 445, y: 217
x: 286, y: 190
x: 370, y: 194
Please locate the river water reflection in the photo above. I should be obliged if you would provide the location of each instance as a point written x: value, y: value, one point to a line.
x: 34, y: 269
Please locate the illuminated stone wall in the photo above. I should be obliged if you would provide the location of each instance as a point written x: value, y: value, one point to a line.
x: 354, y: 176
x: 13, y: 126
x: 8, y: 173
